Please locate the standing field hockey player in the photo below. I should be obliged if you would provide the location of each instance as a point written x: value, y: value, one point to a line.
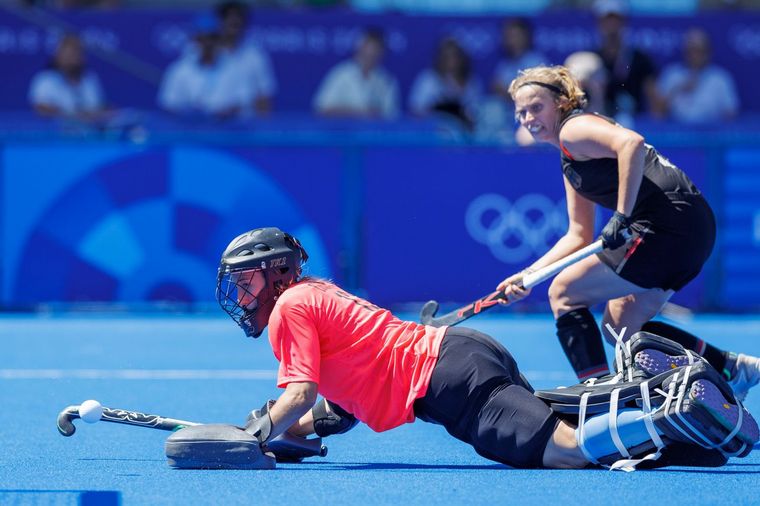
x: 659, y: 237
x: 386, y: 372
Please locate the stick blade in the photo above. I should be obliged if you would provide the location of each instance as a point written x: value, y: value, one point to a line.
x: 428, y: 312
x: 65, y: 425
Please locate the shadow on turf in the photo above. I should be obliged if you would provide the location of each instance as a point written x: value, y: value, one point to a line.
x: 387, y: 466
x: 122, y: 460
x: 715, y: 471
x: 394, y: 466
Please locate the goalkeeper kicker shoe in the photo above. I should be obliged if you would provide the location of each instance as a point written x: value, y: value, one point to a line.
x: 700, y: 407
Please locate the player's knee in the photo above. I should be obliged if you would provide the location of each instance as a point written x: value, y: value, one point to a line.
x: 559, y: 297
x: 628, y: 313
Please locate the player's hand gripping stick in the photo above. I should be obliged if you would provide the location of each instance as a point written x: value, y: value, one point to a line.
x: 427, y: 315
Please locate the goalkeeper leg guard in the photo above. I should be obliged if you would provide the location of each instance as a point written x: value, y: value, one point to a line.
x: 690, y: 404
x: 717, y: 358
x: 646, y: 355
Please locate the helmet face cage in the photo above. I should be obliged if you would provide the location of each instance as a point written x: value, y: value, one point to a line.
x: 233, y: 292
x: 278, y: 256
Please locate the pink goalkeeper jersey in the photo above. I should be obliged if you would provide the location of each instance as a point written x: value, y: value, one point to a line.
x: 362, y: 357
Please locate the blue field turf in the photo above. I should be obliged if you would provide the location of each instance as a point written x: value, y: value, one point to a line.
x: 203, y: 369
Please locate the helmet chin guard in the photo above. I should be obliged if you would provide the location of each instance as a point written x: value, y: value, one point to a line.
x: 278, y: 256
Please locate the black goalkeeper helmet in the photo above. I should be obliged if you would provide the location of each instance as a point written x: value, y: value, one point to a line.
x: 255, y: 268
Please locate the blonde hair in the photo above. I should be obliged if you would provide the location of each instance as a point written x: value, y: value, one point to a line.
x: 568, y: 92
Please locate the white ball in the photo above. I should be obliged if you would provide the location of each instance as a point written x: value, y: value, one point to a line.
x: 90, y: 411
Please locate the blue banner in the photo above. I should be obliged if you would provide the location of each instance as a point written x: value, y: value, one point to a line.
x: 451, y: 223
x: 740, y: 241
x: 114, y: 223
x: 111, y: 222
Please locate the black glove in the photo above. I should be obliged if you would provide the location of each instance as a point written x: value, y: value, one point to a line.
x: 289, y: 448
x: 286, y: 447
x: 259, y: 423
x: 615, y: 233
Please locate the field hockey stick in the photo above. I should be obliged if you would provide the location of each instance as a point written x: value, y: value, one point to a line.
x: 285, y: 447
x: 679, y: 314
x: 68, y: 415
x: 427, y: 315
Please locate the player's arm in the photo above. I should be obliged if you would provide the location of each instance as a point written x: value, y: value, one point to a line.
x: 274, y: 418
x: 304, y: 426
x: 326, y: 418
x: 580, y: 229
x: 295, y: 402
x: 589, y: 137
x: 580, y: 232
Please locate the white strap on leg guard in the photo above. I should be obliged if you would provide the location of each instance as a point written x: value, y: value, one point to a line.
x: 698, y: 437
x: 622, y: 351
x: 613, y: 424
x: 629, y: 465
x: 676, y: 394
x: 590, y: 447
x: 646, y: 404
x: 582, y: 429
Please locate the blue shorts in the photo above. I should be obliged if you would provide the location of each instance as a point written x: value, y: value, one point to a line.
x: 478, y: 394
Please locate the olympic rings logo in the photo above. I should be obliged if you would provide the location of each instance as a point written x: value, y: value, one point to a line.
x: 515, y: 232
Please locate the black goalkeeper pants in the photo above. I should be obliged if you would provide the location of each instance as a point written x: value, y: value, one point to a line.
x: 477, y: 393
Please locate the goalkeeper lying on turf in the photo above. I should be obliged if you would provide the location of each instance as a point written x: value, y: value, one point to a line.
x: 664, y: 405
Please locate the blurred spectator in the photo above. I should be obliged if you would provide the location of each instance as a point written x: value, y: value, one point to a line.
x: 517, y: 45
x: 448, y: 87
x: 729, y: 4
x: 359, y: 87
x: 74, y: 4
x: 200, y: 81
x: 631, y: 86
x: 67, y: 87
x: 697, y: 91
x: 518, y: 54
x: 81, y: 4
x: 588, y: 69
x: 251, y: 61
